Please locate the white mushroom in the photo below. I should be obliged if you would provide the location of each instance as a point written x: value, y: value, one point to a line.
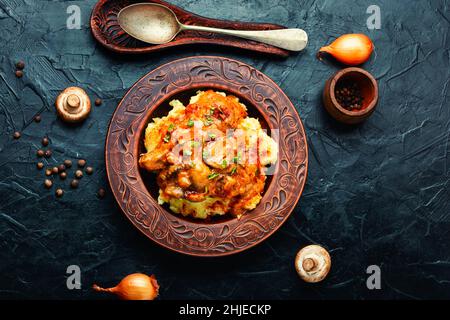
x: 313, y: 263
x: 73, y: 104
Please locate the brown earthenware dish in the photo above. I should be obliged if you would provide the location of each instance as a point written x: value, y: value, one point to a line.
x: 136, y: 191
x: 369, y: 91
x: 106, y: 30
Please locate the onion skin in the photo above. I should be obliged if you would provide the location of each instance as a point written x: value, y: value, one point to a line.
x: 136, y: 286
x: 350, y: 49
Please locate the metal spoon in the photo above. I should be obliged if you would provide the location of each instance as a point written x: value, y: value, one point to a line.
x: 157, y: 24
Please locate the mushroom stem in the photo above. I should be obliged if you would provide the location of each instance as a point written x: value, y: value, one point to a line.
x: 309, y: 264
x: 73, y: 101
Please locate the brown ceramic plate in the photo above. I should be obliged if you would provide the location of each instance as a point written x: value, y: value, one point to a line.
x: 107, y: 32
x: 136, y: 191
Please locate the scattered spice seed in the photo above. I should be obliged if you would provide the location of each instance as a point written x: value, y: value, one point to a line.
x: 63, y: 175
x: 89, y: 170
x: 78, y: 174
x: 74, y: 183
x: 55, y: 170
x: 40, y: 153
x: 98, y: 102
x: 19, y: 73
x: 45, y: 141
x: 37, y: 118
x: 61, y: 168
x: 17, y: 135
x: 48, y: 172
x: 20, y: 65
x: 40, y: 165
x: 81, y: 163
x: 48, y: 153
x: 67, y: 163
x: 101, y: 193
x: 59, y: 193
x: 48, y: 183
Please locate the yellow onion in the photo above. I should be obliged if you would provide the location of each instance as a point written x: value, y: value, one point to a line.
x: 136, y: 286
x: 350, y: 49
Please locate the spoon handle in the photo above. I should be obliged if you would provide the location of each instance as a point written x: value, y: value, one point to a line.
x: 289, y: 39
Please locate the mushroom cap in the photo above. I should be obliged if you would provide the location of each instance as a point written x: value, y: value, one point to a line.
x: 313, y: 263
x: 73, y: 104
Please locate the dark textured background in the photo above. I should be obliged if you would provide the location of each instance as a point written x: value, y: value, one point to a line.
x: 377, y: 193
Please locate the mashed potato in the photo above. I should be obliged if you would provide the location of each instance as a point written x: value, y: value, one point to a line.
x: 210, y: 156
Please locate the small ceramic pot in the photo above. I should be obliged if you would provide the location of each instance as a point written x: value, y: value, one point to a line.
x: 369, y: 91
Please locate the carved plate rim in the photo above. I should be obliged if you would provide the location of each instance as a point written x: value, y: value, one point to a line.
x: 165, y: 228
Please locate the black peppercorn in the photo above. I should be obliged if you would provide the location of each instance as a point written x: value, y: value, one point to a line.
x: 48, y: 172
x: 17, y: 135
x: 40, y: 165
x: 40, y: 153
x: 20, y: 65
x: 48, y: 153
x: 48, y: 183
x: 101, y: 193
x: 37, y: 118
x: 63, y: 175
x: 98, y: 102
x: 78, y: 174
x: 67, y: 163
x: 19, y: 73
x: 55, y: 170
x: 61, y: 168
x: 74, y: 183
x: 349, y: 96
x: 45, y: 141
x: 89, y: 170
x: 59, y: 192
x: 81, y: 163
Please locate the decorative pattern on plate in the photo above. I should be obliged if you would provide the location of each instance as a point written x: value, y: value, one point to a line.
x: 168, y: 229
x: 106, y: 30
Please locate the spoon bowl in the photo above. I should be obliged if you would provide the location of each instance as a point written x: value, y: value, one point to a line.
x: 148, y: 22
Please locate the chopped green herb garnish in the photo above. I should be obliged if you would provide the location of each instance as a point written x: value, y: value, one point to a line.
x: 205, y: 154
x: 233, y: 171
x: 212, y: 135
x: 171, y: 127
x: 237, y: 159
x: 211, y: 110
x: 166, y: 138
x: 209, y: 121
x: 213, y: 175
x: 195, y: 143
x: 224, y: 163
x: 187, y: 152
x: 190, y: 123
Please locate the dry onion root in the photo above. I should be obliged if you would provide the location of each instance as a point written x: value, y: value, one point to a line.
x: 350, y: 49
x: 136, y: 286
